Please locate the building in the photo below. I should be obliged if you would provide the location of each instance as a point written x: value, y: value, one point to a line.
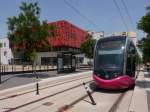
x: 68, y: 37
x: 5, y: 51
x: 96, y: 35
x: 130, y: 34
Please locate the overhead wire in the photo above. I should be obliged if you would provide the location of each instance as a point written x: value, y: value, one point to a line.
x: 81, y: 14
x: 120, y: 13
x: 128, y: 14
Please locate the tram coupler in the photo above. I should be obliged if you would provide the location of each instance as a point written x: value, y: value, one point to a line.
x: 89, y: 93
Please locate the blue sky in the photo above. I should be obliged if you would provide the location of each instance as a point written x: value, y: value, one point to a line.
x: 103, y: 13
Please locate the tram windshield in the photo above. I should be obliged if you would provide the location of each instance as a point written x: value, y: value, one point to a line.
x: 109, y: 56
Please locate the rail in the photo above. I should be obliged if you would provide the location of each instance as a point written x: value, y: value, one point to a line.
x: 45, y: 97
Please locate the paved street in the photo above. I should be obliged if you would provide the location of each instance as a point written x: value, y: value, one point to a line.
x: 58, y: 92
x: 9, y: 81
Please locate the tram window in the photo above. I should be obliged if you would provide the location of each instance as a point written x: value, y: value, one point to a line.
x: 131, y: 60
x: 128, y: 66
x: 111, y: 45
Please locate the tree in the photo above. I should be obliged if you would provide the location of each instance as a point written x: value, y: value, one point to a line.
x: 88, y: 47
x: 144, y: 22
x: 27, y: 33
x: 144, y: 43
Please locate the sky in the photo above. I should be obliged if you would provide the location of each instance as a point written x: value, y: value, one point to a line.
x: 95, y: 15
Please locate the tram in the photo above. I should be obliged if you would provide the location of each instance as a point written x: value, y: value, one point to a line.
x: 115, y: 60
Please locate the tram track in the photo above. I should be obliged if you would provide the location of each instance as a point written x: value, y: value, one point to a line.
x: 62, y: 102
x: 118, y: 105
x: 45, y: 97
x: 46, y: 87
x: 69, y: 106
x: 117, y: 102
x: 113, y: 108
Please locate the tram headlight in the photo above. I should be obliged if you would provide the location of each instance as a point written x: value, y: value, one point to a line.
x: 122, y: 47
x: 107, y: 76
x: 116, y: 75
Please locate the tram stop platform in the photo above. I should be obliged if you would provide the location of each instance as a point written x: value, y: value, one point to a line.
x: 141, y: 96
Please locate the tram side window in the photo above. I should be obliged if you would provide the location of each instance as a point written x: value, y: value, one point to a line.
x: 128, y: 67
x: 131, y: 60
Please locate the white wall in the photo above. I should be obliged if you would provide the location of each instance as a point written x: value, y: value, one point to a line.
x: 5, y: 51
x: 96, y: 35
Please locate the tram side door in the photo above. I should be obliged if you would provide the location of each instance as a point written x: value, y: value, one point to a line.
x: 130, y: 68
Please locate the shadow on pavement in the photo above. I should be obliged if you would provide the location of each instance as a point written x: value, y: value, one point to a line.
x: 96, y: 89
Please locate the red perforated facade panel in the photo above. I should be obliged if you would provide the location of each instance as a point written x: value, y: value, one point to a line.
x: 67, y: 35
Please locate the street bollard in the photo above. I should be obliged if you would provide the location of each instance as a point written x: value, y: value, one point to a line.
x: 37, y: 83
x: 89, y: 93
x: 37, y: 88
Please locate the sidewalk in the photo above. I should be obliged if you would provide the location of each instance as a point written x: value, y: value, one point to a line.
x: 11, y: 101
x: 140, y: 97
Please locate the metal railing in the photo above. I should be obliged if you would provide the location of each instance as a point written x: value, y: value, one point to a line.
x: 14, y: 69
